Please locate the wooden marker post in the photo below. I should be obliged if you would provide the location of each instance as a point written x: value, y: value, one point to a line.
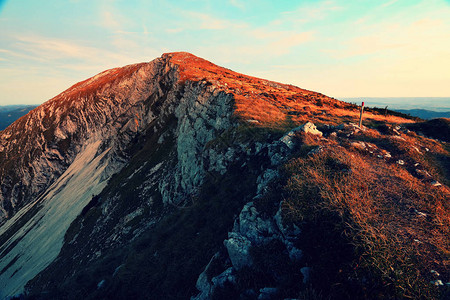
x: 360, y: 116
x: 385, y: 111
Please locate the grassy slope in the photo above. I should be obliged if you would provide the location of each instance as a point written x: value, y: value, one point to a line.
x: 365, y: 234
x: 361, y: 229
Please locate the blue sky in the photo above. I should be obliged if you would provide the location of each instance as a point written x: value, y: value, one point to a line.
x: 395, y: 48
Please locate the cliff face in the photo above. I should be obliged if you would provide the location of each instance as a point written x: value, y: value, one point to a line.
x: 39, y: 147
x: 176, y: 178
x: 55, y: 158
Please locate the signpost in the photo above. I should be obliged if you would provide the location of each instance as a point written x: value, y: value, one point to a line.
x: 360, y: 116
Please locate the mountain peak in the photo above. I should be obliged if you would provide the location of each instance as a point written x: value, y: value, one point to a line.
x: 267, y: 102
x: 181, y: 153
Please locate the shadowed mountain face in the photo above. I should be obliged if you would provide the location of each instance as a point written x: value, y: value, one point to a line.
x: 425, y: 114
x: 178, y: 178
x: 10, y: 113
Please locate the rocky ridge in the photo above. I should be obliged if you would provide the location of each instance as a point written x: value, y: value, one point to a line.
x: 185, y: 193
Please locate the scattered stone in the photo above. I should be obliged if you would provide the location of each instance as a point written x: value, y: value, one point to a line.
x: 252, y: 121
x: 436, y: 282
x: 306, y: 274
x: 118, y: 269
x: 203, y: 284
x: 435, y: 273
x: 101, y: 284
x: 238, y: 247
x: 267, y: 293
x: 423, y: 173
x: 295, y: 254
x: 315, y: 151
x: 287, y: 232
x: 252, y: 226
x: 308, y: 127
x: 264, y: 179
x: 359, y: 145
x: 287, y: 140
x: 400, y: 162
x: 397, y: 137
x: 226, y: 276
x: 422, y: 214
x: 436, y: 183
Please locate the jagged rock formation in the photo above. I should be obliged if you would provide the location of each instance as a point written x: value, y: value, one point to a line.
x: 166, y: 180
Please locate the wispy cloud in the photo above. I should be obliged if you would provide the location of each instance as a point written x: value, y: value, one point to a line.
x: 309, y: 12
x: 389, y: 3
x: 210, y: 22
x: 53, y: 48
x: 67, y: 54
x: 175, y: 30
x: 285, y: 44
x: 108, y: 20
x: 238, y: 4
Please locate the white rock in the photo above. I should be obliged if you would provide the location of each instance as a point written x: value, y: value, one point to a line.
x: 437, y: 282
x: 359, y: 145
x: 435, y: 273
x: 238, y: 247
x: 308, y: 127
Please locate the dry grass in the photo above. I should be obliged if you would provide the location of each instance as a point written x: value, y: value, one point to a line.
x: 381, y: 206
x: 270, y: 102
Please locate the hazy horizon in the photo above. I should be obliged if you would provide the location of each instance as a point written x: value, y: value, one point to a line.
x: 338, y: 48
x: 439, y: 104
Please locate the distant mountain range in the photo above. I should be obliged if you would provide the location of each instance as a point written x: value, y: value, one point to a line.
x: 10, y: 113
x: 424, y: 113
x: 440, y: 104
x: 423, y: 107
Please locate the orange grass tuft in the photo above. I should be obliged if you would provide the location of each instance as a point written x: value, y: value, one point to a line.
x: 381, y: 205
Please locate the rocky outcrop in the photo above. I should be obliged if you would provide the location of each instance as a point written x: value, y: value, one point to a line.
x: 113, y: 107
x: 164, y: 175
x: 203, y: 113
x: 253, y: 230
x: 308, y: 128
x: 111, y: 111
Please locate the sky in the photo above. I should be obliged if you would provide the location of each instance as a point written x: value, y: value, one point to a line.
x: 341, y: 48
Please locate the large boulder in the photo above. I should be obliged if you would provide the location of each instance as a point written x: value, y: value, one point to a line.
x: 308, y: 128
x: 238, y: 247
